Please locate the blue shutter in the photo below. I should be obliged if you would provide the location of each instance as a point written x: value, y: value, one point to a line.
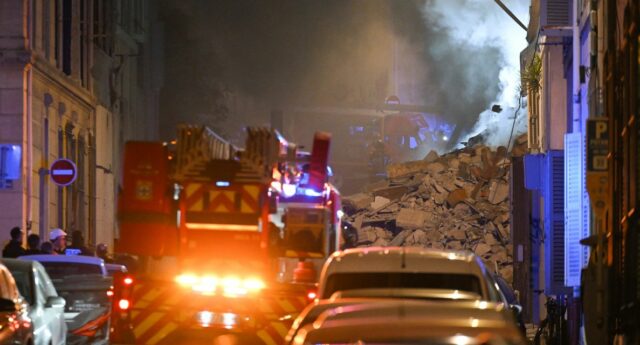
x: 573, y: 210
x: 554, y: 222
x: 533, y: 171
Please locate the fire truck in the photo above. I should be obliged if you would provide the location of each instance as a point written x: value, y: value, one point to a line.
x: 199, y: 232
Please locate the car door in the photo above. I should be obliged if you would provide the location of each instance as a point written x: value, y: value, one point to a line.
x: 52, y: 317
x: 9, y: 290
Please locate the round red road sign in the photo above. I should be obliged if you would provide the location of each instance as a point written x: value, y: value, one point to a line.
x: 63, y: 172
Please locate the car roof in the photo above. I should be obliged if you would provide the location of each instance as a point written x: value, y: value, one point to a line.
x: 406, y: 293
x: 401, y: 259
x: 377, y: 259
x: 81, y: 259
x: 21, y: 265
x: 409, y: 309
x: 313, y: 310
x: 404, y: 319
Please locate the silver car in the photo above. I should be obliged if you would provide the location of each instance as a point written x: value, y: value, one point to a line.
x: 408, y: 268
x: 46, y: 307
x: 414, y: 322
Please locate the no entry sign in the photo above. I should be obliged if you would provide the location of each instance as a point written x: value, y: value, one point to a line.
x: 63, y: 172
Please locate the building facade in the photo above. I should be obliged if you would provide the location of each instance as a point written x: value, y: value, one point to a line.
x: 588, y: 244
x: 73, y: 84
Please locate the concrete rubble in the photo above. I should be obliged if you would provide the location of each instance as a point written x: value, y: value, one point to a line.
x: 457, y: 201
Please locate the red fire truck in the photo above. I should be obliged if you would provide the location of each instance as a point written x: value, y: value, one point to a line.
x: 196, y: 221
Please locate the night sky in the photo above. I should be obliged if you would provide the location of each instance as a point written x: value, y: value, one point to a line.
x: 228, y: 63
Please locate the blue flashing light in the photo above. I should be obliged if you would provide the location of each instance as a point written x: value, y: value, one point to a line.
x: 311, y: 192
x: 72, y: 252
x: 223, y: 183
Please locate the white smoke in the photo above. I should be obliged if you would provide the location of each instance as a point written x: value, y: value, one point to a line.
x: 482, y: 23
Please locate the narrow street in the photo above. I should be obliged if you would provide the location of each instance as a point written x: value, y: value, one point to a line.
x: 319, y: 172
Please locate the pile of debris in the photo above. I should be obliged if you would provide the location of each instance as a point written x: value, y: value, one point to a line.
x: 458, y: 201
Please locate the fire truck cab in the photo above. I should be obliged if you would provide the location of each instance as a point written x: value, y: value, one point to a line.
x: 198, y: 215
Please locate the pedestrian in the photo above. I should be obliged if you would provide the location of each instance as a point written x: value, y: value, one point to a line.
x: 47, y: 248
x: 13, y: 249
x: 103, y: 253
x: 77, y: 242
x: 33, y: 245
x: 58, y: 240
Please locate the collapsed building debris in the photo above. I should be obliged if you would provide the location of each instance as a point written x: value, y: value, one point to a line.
x: 457, y: 201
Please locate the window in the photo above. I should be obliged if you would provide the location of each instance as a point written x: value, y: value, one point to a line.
x: 375, y: 280
x: 57, y: 39
x: 25, y: 284
x: 62, y: 270
x: 45, y: 282
x: 46, y: 28
x: 102, y: 11
x: 34, y: 25
x: 67, y: 34
x: 84, y: 40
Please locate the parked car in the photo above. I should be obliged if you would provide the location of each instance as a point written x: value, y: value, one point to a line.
x: 46, y: 308
x: 85, y: 284
x: 311, y: 312
x: 414, y: 322
x: 16, y: 327
x: 421, y: 273
x: 113, y: 268
x: 408, y: 268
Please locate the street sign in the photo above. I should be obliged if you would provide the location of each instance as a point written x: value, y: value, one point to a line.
x: 597, y: 144
x: 63, y: 172
x: 597, y: 164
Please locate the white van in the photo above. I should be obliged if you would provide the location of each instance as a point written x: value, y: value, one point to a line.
x: 392, y: 271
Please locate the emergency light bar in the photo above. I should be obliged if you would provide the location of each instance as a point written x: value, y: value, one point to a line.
x: 223, y: 183
x: 228, y: 227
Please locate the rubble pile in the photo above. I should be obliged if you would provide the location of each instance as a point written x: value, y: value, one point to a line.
x: 457, y: 201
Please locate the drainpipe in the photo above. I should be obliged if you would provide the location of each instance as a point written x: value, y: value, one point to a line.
x: 28, y: 144
x: 577, y: 96
x: 43, y: 212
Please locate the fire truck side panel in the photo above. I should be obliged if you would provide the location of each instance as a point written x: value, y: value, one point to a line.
x: 146, y: 223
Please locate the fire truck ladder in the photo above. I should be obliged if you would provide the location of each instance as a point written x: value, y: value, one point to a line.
x: 197, y: 145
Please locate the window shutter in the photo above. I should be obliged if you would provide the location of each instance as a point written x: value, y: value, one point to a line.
x: 533, y: 171
x: 555, y: 13
x: 573, y: 210
x: 554, y: 222
x: 555, y: 17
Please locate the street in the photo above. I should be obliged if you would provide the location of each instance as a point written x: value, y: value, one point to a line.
x: 319, y: 172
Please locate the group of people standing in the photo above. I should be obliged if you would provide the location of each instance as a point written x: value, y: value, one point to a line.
x: 57, y: 245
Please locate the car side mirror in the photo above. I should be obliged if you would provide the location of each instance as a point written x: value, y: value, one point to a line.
x: 516, y: 309
x: 55, y: 302
x: 7, y: 305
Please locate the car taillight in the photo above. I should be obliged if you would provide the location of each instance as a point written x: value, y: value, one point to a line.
x: 311, y: 295
x: 123, y: 304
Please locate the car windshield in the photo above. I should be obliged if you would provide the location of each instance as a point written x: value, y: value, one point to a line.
x: 374, y: 280
x: 60, y: 270
x: 24, y: 283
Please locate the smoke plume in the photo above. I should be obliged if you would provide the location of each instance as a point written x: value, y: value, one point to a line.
x: 229, y: 63
x: 473, y: 27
